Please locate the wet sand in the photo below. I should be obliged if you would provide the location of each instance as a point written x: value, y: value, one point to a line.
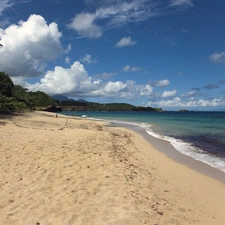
x: 166, y: 148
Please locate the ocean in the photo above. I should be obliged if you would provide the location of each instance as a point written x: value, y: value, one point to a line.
x: 200, y: 135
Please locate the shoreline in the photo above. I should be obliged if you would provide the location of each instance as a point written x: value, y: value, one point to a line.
x: 210, y: 164
x: 167, y: 148
x: 69, y: 170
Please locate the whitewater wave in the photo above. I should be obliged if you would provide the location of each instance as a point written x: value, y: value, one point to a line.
x: 188, y: 149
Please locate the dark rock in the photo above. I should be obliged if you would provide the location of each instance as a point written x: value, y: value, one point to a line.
x: 53, y: 108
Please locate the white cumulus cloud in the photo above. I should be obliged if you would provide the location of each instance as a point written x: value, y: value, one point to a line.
x: 168, y: 94
x: 218, y: 57
x: 84, y: 24
x: 88, y: 59
x: 74, y: 81
x: 63, y: 80
x: 105, y: 75
x: 160, y: 83
x: 125, y: 41
x: 128, y: 68
x: 192, y: 103
x: 146, y: 90
x: 67, y: 60
x: 28, y: 46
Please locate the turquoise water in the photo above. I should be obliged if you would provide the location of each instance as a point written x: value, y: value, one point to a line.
x: 200, y: 135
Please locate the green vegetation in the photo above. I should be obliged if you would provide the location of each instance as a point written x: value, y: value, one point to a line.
x: 93, y: 106
x: 118, y: 107
x: 41, y: 99
x: 16, y: 98
x: 6, y: 85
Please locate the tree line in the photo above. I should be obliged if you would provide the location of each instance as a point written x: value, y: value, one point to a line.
x: 16, y: 98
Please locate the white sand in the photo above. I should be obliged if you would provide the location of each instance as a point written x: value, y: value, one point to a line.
x: 67, y: 170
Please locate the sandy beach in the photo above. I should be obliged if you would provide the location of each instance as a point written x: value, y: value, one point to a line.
x: 68, y: 170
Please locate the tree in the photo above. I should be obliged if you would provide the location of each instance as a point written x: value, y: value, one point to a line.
x: 22, y: 95
x: 16, y: 98
x: 6, y: 85
x: 41, y: 99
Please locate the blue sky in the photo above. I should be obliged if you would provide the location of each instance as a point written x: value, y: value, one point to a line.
x: 159, y: 53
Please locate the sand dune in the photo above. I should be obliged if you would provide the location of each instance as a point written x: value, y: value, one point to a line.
x: 68, y: 170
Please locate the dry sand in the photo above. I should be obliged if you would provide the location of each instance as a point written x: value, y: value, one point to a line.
x: 68, y: 170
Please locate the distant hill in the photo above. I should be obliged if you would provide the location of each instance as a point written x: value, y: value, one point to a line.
x: 81, y: 100
x: 61, y: 98
x: 82, y: 105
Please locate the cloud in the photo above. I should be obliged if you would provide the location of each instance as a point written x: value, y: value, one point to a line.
x: 4, y: 22
x: 212, y: 86
x: 88, y: 59
x: 110, y: 14
x: 128, y: 68
x: 159, y: 83
x: 125, y: 41
x: 168, y: 94
x: 146, y: 90
x: 179, y: 103
x: 28, y: 46
x: 183, y: 30
x: 124, y: 12
x: 114, y: 87
x: 218, y: 57
x: 63, y: 80
x: 105, y: 76
x: 169, y: 41
x: 84, y: 25
x: 6, y: 4
x: 196, y: 89
x: 193, y: 93
x: 67, y: 60
x: 181, y: 3
x: 101, y: 2
x: 117, y: 89
x: 74, y: 81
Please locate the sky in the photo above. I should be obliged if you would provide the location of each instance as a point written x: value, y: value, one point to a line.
x: 157, y: 53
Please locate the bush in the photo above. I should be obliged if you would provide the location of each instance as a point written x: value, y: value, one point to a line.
x: 11, y: 104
